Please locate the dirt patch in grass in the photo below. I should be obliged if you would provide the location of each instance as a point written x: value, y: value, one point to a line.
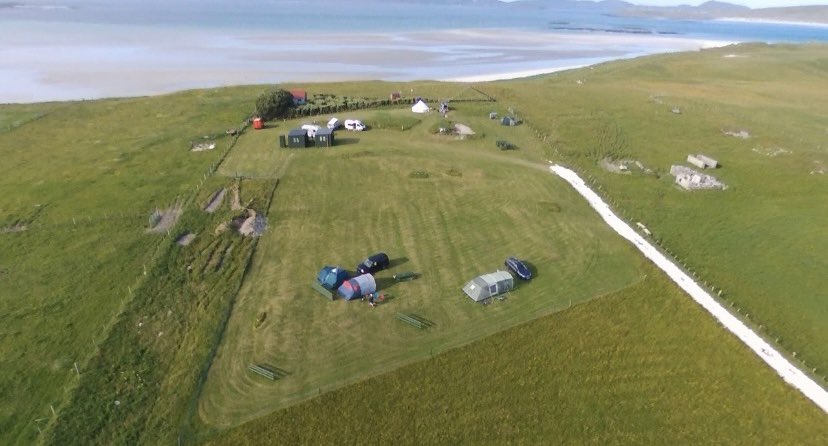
x: 250, y: 223
x: 235, y: 203
x: 736, y: 133
x: 164, y: 219
x: 19, y: 227
x: 624, y: 166
x: 463, y: 130
x: 203, y: 146
x: 216, y: 200
x: 185, y: 239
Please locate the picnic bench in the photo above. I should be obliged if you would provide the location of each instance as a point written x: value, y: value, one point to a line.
x: 505, y: 145
x: 405, y: 276
x: 414, y: 321
x: 266, y: 372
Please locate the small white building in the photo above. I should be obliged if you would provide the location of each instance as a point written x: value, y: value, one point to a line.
x: 709, y: 162
x: 702, y: 161
x: 694, y: 160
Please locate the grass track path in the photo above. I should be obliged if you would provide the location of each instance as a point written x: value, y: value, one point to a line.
x: 790, y: 373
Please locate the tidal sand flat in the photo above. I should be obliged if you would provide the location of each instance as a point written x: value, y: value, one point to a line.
x: 68, y: 61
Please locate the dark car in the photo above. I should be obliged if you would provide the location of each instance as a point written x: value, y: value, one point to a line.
x: 519, y: 268
x: 376, y: 262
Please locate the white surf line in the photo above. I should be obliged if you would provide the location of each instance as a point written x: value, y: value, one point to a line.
x: 790, y: 373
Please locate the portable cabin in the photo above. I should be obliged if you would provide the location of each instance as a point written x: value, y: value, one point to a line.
x: 489, y: 285
x: 331, y: 277
x: 258, y: 123
x: 357, y: 287
x: 324, y: 138
x: 297, y: 138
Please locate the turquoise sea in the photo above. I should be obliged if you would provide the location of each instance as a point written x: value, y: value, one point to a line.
x: 76, y: 49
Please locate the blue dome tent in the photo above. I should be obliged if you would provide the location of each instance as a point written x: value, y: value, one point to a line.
x: 331, y: 277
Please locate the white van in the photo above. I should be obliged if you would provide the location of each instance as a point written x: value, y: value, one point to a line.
x: 354, y: 124
x: 334, y: 123
x: 311, y: 129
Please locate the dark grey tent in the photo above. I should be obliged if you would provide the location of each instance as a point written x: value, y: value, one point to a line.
x: 488, y: 285
x: 508, y: 120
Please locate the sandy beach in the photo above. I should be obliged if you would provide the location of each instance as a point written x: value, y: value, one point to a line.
x: 47, y: 61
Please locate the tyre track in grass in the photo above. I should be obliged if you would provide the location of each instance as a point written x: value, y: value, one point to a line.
x: 784, y: 368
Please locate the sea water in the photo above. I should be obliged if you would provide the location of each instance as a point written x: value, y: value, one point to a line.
x: 73, y: 49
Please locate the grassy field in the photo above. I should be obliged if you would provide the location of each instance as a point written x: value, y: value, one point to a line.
x: 83, y: 179
x: 599, y: 373
x: 337, y: 206
x: 632, y: 361
x: 764, y: 239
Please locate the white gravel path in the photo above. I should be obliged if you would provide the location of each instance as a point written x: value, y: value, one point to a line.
x: 791, y: 374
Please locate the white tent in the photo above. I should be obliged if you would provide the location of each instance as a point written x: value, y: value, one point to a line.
x: 419, y: 107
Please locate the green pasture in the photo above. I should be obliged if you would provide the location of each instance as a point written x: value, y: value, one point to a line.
x: 598, y: 348
x: 83, y: 179
x: 467, y: 207
x: 643, y: 365
x: 763, y: 240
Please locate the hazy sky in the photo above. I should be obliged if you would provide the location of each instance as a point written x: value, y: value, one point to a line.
x: 749, y: 3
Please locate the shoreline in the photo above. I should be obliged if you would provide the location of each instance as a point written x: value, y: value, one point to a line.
x: 761, y: 21
x: 55, y: 66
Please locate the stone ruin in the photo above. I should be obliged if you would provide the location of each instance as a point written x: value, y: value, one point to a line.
x: 690, y: 179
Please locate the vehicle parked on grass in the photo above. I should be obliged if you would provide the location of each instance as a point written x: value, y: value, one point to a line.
x: 311, y: 129
x: 518, y: 267
x: 354, y: 125
x: 374, y: 263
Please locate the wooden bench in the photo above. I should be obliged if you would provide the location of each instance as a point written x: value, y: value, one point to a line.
x: 408, y: 275
x: 504, y: 145
x: 414, y: 321
x: 272, y: 375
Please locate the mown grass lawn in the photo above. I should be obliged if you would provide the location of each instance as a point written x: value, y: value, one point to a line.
x: 449, y: 209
